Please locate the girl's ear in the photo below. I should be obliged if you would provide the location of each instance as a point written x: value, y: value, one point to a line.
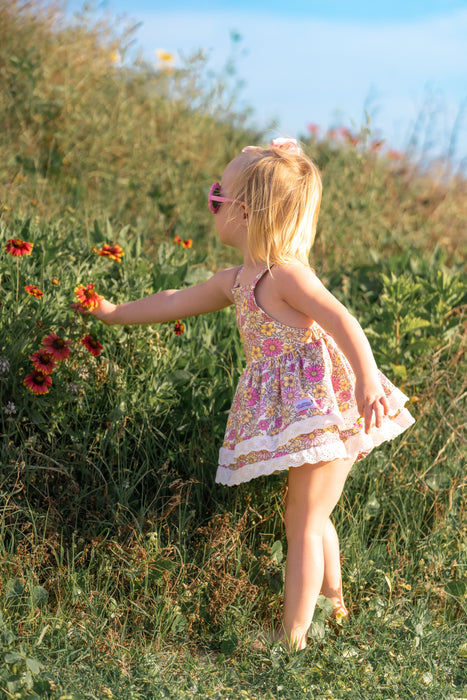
x: 245, y: 213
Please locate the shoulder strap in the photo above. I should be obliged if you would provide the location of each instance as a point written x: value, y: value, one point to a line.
x: 239, y: 272
x: 260, y: 275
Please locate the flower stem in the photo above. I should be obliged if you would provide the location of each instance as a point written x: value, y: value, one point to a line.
x: 17, y: 278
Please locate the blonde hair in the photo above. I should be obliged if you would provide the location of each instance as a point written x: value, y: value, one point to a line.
x: 282, y: 192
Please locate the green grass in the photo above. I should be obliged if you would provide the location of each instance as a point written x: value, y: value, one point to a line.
x: 125, y: 571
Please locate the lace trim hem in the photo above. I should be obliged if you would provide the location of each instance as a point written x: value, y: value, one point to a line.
x: 273, y: 443
x: 357, y: 446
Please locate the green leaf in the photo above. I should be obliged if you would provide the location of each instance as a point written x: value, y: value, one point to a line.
x: 276, y: 584
x: 317, y: 630
x: 456, y: 588
x: 438, y: 482
x: 325, y: 604
x: 277, y: 554
x: 412, y: 324
x: 33, y: 665
x: 179, y: 624
x: 197, y: 275
x: 39, y: 595
x: 14, y: 589
x: 399, y: 371
x: 12, y: 657
x: 229, y: 645
x: 372, y: 507
x: 7, y: 637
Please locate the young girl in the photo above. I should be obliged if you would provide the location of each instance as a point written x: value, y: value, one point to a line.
x: 311, y: 398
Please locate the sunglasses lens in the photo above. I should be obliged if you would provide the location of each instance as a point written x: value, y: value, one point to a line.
x: 215, y: 191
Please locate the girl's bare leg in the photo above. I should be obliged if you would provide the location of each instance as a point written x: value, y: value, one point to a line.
x: 332, y: 578
x: 313, y: 491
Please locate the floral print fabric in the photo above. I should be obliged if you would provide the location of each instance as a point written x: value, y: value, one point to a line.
x: 294, y: 402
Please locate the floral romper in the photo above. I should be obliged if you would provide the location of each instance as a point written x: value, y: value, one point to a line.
x: 295, y: 400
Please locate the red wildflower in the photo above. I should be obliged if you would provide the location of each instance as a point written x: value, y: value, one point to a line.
x: 42, y: 361
x: 18, y: 248
x: 344, y: 132
x: 38, y: 382
x: 179, y: 327
x: 377, y: 145
x: 56, y: 347
x: 185, y: 244
x: 395, y: 155
x: 313, y: 129
x: 114, y: 252
x: 92, y: 345
x: 33, y: 291
x: 88, y: 297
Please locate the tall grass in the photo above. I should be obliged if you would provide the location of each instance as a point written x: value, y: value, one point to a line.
x: 124, y: 570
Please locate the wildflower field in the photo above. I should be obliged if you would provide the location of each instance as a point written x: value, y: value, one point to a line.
x: 125, y: 571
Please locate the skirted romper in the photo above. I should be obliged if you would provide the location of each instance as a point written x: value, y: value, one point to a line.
x: 295, y: 401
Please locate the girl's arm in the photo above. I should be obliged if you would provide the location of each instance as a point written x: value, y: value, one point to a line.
x: 171, y: 304
x: 301, y: 289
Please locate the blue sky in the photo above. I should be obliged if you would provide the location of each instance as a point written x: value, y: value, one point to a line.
x: 327, y: 61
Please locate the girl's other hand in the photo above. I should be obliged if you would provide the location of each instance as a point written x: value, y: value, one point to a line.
x: 371, y: 399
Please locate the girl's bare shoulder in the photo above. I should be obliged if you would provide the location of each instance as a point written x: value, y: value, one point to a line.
x: 293, y: 274
x: 225, y: 279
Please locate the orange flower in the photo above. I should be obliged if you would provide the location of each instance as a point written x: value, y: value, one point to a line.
x: 114, y: 252
x: 42, y: 361
x: 179, y: 327
x: 185, y: 244
x: 56, y: 347
x: 33, y: 291
x: 88, y: 297
x: 38, y: 382
x: 18, y: 248
x: 92, y: 345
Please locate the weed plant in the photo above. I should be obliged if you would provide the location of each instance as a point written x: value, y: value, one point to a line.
x: 125, y: 571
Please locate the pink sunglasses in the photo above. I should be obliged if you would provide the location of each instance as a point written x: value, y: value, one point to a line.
x: 215, y: 200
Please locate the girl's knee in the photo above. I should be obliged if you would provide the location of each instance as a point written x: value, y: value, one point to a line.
x: 303, y: 522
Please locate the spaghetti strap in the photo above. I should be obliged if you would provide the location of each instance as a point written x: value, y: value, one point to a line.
x: 260, y: 275
x: 239, y: 272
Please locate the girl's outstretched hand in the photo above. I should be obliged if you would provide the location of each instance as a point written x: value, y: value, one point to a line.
x: 105, y: 311
x: 371, y: 400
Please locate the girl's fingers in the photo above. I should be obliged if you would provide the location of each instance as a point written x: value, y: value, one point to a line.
x: 380, y: 407
x: 385, y: 403
x: 77, y: 307
x: 367, y: 416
